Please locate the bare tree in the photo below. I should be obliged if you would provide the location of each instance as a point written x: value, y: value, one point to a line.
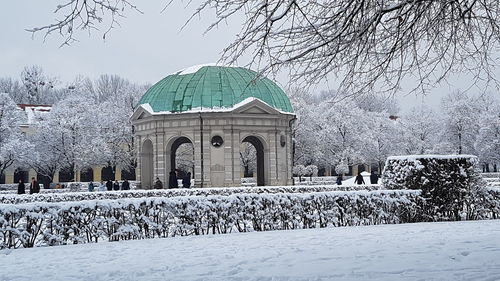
x: 248, y: 159
x: 370, y: 44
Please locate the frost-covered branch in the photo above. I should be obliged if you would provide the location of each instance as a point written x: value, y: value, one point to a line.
x: 85, y: 15
x: 367, y: 44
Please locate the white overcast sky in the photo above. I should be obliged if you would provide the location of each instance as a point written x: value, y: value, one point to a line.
x: 145, y: 48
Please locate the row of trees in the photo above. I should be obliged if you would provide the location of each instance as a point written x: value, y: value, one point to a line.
x: 339, y: 131
x: 89, y: 124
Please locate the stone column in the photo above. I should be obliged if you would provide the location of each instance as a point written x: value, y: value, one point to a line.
x: 229, y: 165
x: 9, y: 177
x: 77, y: 175
x: 118, y: 173
x: 159, y: 157
x: 236, y: 157
x: 355, y: 170
x: 207, y: 163
x: 138, y: 145
x: 56, y: 177
x: 97, y: 172
x: 289, y: 155
x: 197, y: 158
x: 31, y: 174
x: 273, y: 154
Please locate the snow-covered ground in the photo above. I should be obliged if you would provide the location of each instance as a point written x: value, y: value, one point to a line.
x: 424, y: 251
x: 366, y: 178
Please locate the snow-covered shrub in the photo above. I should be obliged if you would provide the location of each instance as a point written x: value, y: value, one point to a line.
x: 78, y: 196
x: 341, y: 168
x: 299, y: 171
x: 450, y: 183
x: 46, y: 224
x: 312, y: 171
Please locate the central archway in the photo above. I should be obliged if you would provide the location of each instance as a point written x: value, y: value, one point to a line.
x: 147, y: 164
x: 180, y: 151
x: 259, y: 147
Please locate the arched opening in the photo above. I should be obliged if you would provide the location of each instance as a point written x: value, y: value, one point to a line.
x: 87, y: 175
x: 66, y: 175
x: 108, y: 173
x: 259, y: 153
x: 128, y: 174
x: 181, y: 154
x: 20, y: 174
x: 248, y: 159
x: 43, y: 179
x: 361, y: 168
x: 147, y: 165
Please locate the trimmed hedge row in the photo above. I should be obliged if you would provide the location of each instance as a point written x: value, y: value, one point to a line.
x: 78, y: 196
x: 47, y: 224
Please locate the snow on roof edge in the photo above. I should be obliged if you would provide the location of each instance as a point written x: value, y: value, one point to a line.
x: 195, y: 68
x: 248, y: 100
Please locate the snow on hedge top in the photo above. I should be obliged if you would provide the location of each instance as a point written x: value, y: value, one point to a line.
x: 430, y: 156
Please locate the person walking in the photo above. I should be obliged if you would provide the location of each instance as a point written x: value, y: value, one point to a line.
x: 116, y: 185
x: 373, y: 178
x: 186, y: 180
x: 109, y: 185
x: 34, y: 186
x: 172, y: 180
x: 91, y: 186
x: 125, y: 185
x: 339, y: 180
x: 158, y: 184
x: 359, y: 179
x: 21, y: 188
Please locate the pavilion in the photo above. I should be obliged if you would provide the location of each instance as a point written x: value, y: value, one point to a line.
x: 216, y: 109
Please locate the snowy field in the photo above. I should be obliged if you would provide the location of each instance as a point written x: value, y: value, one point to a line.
x: 424, y: 251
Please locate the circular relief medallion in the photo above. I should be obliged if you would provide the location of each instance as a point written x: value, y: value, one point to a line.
x: 217, y: 141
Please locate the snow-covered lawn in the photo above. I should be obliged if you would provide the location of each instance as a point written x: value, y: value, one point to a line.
x: 423, y: 251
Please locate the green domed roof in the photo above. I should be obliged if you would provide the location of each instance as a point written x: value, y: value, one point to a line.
x: 212, y: 87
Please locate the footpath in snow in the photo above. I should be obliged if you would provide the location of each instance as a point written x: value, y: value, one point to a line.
x: 424, y: 251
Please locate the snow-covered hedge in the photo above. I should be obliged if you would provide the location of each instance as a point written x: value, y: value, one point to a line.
x: 450, y: 183
x: 78, y: 196
x: 69, y: 187
x: 489, y: 203
x: 42, y: 224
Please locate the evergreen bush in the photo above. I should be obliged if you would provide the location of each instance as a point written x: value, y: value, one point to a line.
x: 451, y: 184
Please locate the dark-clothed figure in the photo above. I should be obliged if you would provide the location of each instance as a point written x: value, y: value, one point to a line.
x: 34, y: 186
x: 91, y: 186
x: 125, y: 185
x: 109, y: 185
x: 359, y: 179
x: 158, y: 184
x: 20, y: 188
x: 186, y: 181
x: 172, y: 180
x: 339, y: 180
x: 373, y: 178
x: 116, y: 185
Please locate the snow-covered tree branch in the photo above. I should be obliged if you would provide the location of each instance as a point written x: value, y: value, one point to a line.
x: 368, y: 44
